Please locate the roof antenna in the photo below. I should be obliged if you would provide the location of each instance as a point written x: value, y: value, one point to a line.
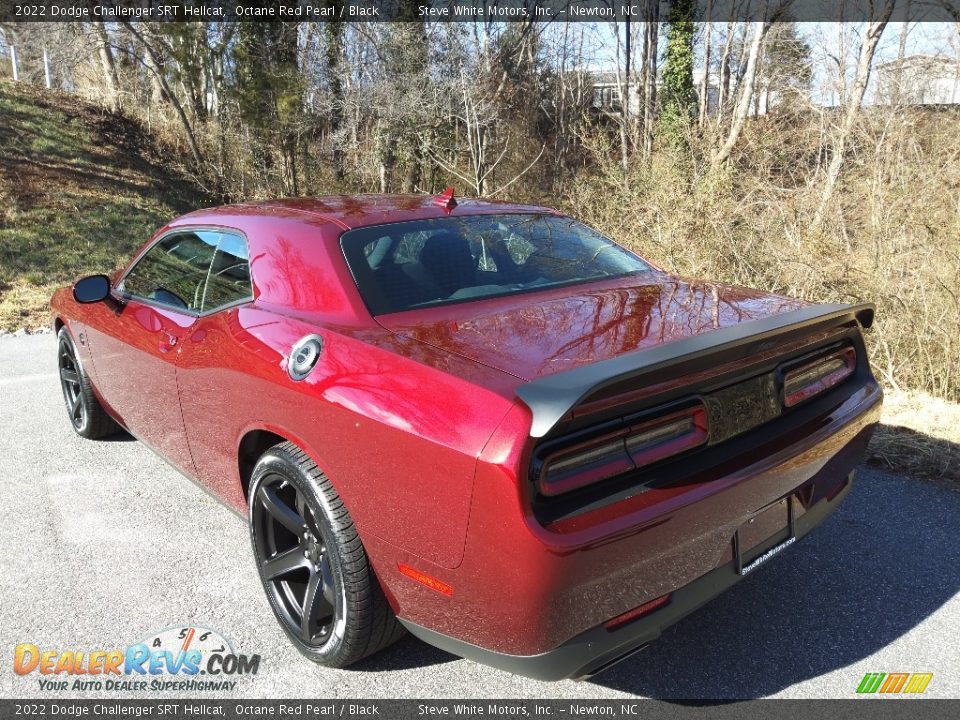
x: 446, y: 200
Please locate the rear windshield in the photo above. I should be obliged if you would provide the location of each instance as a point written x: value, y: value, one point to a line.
x: 434, y: 262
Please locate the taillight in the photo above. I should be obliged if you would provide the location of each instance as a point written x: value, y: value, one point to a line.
x: 624, y: 450
x: 818, y: 375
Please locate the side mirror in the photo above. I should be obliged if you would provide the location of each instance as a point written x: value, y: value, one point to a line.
x: 94, y: 288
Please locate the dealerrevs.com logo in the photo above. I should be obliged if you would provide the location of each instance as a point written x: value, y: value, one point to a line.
x: 894, y: 683
x: 184, y: 659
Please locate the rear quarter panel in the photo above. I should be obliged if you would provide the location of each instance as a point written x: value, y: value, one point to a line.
x: 393, y: 423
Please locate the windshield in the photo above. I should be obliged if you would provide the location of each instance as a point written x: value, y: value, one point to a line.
x: 432, y: 262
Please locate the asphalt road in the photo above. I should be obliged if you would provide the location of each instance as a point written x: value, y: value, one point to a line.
x: 103, y: 543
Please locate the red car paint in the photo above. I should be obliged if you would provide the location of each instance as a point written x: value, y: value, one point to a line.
x: 414, y: 417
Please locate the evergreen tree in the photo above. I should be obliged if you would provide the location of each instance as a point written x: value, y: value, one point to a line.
x: 678, y: 96
x: 269, y: 91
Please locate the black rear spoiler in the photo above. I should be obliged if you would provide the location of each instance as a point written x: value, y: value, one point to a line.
x: 552, y: 397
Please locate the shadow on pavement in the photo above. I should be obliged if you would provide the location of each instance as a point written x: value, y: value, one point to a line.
x: 122, y: 436
x: 883, y: 563
x: 407, y: 653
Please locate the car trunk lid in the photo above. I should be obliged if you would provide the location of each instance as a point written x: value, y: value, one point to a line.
x: 532, y: 336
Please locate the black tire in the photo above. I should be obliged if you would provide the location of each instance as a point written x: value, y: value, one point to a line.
x: 84, y: 411
x: 303, y: 538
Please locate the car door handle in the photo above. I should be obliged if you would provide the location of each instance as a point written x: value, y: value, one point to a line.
x: 168, y: 342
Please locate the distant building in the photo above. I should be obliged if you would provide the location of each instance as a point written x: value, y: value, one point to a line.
x: 607, y: 88
x: 919, y: 80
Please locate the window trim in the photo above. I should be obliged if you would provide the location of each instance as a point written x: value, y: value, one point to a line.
x: 124, y: 296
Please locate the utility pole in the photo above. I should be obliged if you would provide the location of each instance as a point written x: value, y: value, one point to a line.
x: 13, y: 62
x: 46, y: 67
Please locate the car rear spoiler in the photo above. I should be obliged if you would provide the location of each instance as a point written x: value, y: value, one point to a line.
x: 552, y: 397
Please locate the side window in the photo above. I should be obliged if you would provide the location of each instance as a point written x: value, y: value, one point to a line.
x: 198, y: 271
x: 229, y: 280
x: 174, y: 271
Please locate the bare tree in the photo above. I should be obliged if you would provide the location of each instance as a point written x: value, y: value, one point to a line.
x: 153, y: 63
x: 334, y: 57
x: 704, y: 99
x: 110, y: 80
x: 852, y: 109
x: 572, y: 94
x: 901, y: 54
x: 648, y: 72
x: 723, y: 91
x: 623, y: 90
x: 841, y: 58
x: 745, y: 89
x: 478, y: 116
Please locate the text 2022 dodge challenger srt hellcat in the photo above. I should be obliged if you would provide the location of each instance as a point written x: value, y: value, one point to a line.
x: 484, y: 423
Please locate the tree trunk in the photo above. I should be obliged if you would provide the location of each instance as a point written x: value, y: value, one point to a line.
x: 481, y: 161
x: 156, y: 67
x: 842, y: 58
x: 852, y: 111
x: 746, y: 94
x: 213, y: 73
x: 411, y: 178
x: 651, y: 32
x: 623, y: 89
x: 723, y: 92
x: 897, y: 97
x: 705, y: 82
x: 290, y: 151
x: 334, y: 41
x: 110, y: 81
x: 384, y: 145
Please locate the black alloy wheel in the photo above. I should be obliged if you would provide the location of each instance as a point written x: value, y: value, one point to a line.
x: 70, y: 383
x: 86, y: 414
x: 294, y: 561
x: 313, y: 566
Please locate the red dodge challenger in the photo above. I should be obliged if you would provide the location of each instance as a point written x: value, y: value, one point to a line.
x: 484, y: 423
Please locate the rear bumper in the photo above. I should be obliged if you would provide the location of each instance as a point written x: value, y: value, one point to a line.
x: 598, y: 648
x: 534, y: 598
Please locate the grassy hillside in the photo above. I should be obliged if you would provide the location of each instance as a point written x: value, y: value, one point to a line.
x: 80, y: 189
